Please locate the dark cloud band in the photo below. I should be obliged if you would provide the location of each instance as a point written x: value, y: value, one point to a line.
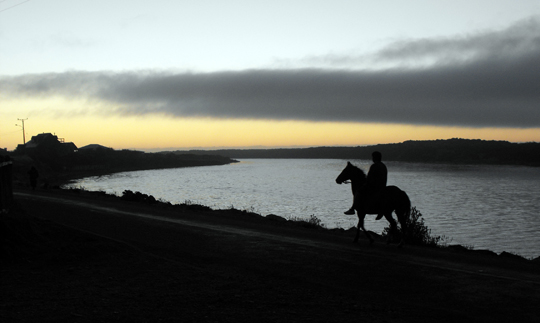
x: 501, y: 89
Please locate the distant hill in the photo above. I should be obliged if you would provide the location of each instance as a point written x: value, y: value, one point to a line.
x: 98, y: 160
x: 460, y: 151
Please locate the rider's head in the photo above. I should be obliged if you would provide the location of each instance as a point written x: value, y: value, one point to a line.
x: 377, y: 156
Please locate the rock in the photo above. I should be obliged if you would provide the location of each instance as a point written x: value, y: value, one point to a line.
x: 458, y: 247
x: 508, y: 255
x: 274, y: 217
x: 485, y: 252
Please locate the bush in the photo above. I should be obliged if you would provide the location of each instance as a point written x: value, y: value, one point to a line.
x: 128, y: 195
x: 315, y: 221
x: 312, y: 222
x: 417, y: 232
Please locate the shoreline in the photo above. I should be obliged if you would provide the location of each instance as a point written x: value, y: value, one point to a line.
x: 142, y: 198
x: 446, y: 241
x: 57, y: 180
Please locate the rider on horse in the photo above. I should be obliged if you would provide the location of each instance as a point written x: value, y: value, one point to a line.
x: 376, y: 182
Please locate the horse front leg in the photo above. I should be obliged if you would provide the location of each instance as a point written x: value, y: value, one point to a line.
x: 360, y: 219
x: 360, y: 226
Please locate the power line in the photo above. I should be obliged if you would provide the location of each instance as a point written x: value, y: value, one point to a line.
x: 18, y: 4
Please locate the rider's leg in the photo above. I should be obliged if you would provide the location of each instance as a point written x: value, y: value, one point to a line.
x: 350, y: 211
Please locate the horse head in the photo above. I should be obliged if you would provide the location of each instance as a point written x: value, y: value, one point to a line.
x: 351, y: 173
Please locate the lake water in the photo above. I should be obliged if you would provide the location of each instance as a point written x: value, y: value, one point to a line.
x: 484, y: 207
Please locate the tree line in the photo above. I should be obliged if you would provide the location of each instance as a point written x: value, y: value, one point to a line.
x: 456, y: 150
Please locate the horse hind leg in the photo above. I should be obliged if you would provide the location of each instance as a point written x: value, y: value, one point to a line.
x: 403, y: 230
x: 403, y: 215
x: 393, y: 227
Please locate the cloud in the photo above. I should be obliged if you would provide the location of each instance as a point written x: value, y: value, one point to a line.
x: 513, y: 42
x: 490, y: 79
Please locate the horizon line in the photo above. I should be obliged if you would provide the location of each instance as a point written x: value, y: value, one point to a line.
x: 255, y: 147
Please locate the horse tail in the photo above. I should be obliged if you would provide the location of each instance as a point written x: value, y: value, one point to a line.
x: 408, y: 206
x: 405, y: 211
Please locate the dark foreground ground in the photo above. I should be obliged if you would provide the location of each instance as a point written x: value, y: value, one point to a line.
x: 85, y: 258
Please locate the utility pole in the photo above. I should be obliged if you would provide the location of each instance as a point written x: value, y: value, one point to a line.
x: 23, y: 134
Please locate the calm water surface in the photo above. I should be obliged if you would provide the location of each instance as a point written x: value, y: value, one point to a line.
x: 485, y: 207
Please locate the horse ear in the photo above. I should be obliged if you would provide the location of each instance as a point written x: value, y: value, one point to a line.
x: 348, y: 163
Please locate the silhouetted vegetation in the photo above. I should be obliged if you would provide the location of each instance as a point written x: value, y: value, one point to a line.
x: 311, y: 222
x: 131, y: 196
x: 417, y: 232
x: 462, y: 151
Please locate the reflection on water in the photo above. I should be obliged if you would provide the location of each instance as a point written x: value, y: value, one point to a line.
x: 487, y: 207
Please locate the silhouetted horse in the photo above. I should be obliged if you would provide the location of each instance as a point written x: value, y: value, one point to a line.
x: 391, y: 199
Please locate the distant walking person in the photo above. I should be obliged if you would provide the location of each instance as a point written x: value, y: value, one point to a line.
x: 376, y: 181
x: 33, y: 174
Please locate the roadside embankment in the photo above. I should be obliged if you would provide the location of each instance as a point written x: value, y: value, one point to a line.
x: 84, y: 257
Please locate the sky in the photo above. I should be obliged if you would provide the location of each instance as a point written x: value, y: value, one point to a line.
x: 188, y: 74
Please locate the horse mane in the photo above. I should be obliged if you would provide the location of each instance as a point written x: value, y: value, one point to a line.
x: 358, y: 169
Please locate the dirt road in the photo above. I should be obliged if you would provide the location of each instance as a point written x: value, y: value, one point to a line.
x: 95, y: 258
